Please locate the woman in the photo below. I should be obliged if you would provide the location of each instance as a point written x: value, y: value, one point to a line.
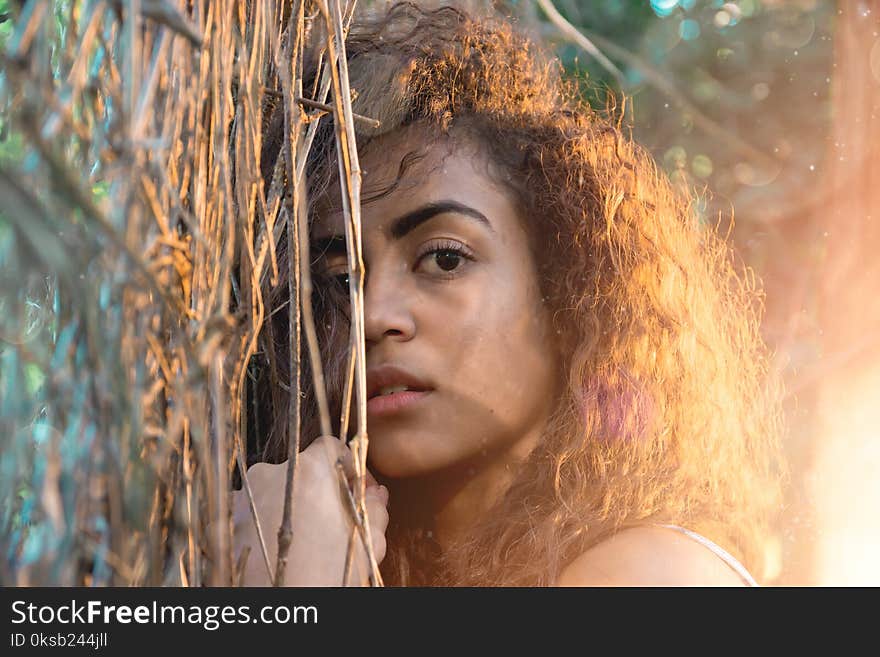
x: 566, y: 382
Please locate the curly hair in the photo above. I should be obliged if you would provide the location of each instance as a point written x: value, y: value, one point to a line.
x: 669, y: 411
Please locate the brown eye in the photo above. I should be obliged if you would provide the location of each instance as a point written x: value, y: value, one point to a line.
x: 447, y: 259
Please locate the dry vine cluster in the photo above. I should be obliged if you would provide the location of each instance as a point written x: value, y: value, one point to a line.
x: 136, y: 231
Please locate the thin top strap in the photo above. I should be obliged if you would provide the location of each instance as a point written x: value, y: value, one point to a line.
x: 725, y: 556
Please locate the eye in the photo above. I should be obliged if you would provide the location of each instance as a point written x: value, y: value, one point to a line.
x: 447, y: 259
x: 444, y: 257
x: 333, y: 278
x: 332, y: 272
x: 339, y: 281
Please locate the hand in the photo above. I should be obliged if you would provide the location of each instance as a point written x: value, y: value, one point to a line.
x: 320, y: 523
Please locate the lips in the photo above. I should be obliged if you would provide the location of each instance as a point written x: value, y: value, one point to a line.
x: 392, y: 379
x: 391, y: 389
x: 395, y: 403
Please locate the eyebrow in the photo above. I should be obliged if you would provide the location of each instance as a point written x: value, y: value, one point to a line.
x: 406, y: 223
x: 412, y: 220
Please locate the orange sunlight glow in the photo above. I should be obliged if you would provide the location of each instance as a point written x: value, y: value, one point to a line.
x: 846, y: 484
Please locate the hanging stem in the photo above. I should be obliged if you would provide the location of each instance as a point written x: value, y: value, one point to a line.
x: 350, y: 180
x: 292, y: 125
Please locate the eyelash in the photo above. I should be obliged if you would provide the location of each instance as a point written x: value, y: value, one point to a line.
x: 438, y: 246
x: 445, y: 246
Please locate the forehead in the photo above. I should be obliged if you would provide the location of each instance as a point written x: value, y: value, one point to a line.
x: 410, y: 168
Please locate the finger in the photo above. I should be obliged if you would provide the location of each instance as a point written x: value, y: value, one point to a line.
x: 380, y: 491
x: 378, y: 518
x: 350, y: 467
x: 370, y: 480
x: 377, y: 513
x: 380, y: 546
x: 337, y: 452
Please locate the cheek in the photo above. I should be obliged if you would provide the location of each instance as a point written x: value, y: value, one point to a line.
x: 490, y: 355
x: 502, y: 356
x: 524, y: 356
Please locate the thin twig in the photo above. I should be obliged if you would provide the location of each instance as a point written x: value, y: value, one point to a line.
x: 292, y: 130
x: 164, y: 13
x: 222, y: 573
x: 359, y: 522
x: 346, y: 400
x: 246, y: 485
x: 308, y: 313
x: 666, y: 86
x: 349, y: 555
x: 350, y: 179
x: 314, y: 104
x: 572, y: 34
x: 301, y: 201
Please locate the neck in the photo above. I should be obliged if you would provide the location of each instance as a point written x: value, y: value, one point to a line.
x: 458, y: 497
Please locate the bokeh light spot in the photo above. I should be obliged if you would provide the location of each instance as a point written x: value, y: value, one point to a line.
x: 702, y: 166
x: 689, y: 29
x: 675, y: 157
x: 760, y: 90
x: 664, y: 8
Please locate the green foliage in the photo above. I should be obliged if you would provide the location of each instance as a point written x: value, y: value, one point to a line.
x: 733, y: 99
x: 622, y: 21
x: 11, y: 148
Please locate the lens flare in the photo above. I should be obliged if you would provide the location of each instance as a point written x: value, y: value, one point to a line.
x: 847, y: 493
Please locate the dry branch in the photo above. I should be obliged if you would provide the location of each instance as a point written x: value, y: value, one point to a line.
x: 138, y: 199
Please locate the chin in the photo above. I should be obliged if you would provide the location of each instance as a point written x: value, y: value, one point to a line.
x: 396, y: 456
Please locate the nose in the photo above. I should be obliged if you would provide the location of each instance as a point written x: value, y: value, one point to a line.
x: 387, y: 308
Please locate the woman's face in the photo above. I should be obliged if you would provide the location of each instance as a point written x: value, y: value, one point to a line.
x: 452, y: 312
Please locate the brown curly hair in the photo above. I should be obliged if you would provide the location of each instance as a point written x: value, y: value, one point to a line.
x: 669, y: 412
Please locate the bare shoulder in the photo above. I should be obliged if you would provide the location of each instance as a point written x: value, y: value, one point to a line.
x: 648, y: 556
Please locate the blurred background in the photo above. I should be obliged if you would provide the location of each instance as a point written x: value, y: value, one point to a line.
x: 773, y: 110
x: 768, y: 109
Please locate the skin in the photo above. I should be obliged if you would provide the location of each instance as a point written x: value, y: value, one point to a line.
x: 450, y: 301
x: 648, y: 556
x: 454, y: 300
x: 320, y: 526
